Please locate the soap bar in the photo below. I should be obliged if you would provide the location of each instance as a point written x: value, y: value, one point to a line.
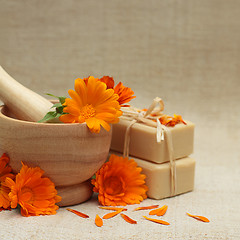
x: 143, y: 143
x: 158, y: 178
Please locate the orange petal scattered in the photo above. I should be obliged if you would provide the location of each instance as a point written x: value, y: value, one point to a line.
x: 160, y: 211
x: 98, y: 221
x: 92, y: 103
x: 128, y: 219
x: 114, y: 208
x: 112, y: 214
x: 119, y: 182
x: 5, y: 171
x: 200, y: 218
x: 35, y: 194
x: 157, y: 221
x: 78, y: 213
x: 179, y: 118
x: 146, y: 208
x: 171, y: 121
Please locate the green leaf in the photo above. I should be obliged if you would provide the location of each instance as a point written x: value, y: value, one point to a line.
x: 59, y: 114
x: 49, y: 94
x: 61, y: 99
x: 56, y: 105
x: 58, y: 111
x: 48, y: 116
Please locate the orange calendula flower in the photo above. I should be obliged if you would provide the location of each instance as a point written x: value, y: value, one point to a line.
x: 35, y: 194
x: 92, y: 103
x: 5, y: 171
x: 125, y: 94
x: 119, y: 182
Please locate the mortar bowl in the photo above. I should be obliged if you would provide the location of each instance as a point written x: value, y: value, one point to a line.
x: 69, y: 154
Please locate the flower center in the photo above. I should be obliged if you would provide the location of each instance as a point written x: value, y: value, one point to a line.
x: 86, y: 112
x: 26, y: 195
x: 114, y: 185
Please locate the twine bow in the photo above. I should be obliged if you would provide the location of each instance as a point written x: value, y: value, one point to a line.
x: 151, y: 118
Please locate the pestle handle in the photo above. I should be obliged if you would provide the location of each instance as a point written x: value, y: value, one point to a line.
x: 23, y: 102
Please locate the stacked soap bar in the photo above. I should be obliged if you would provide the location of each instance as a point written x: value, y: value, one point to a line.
x: 154, y: 157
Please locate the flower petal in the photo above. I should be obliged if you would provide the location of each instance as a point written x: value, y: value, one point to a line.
x: 98, y: 221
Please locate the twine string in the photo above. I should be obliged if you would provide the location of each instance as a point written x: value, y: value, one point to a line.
x: 171, y: 161
x: 151, y: 118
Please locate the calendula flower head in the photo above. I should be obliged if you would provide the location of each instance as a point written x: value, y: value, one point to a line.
x: 93, y: 103
x: 125, y: 93
x: 35, y: 194
x: 5, y: 171
x: 120, y: 182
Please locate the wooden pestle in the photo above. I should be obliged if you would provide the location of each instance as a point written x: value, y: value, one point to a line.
x: 23, y: 102
x: 64, y: 151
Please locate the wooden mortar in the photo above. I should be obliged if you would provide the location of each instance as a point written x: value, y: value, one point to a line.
x: 68, y: 153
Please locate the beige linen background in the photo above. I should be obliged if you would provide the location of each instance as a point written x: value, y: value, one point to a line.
x: 186, y: 52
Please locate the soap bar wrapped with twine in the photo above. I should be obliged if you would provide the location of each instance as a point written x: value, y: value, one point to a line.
x: 143, y: 134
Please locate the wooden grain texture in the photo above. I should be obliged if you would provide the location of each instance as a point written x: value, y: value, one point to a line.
x: 74, y: 194
x: 68, y: 153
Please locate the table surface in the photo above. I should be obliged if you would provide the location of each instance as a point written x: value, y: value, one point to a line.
x: 187, y: 53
